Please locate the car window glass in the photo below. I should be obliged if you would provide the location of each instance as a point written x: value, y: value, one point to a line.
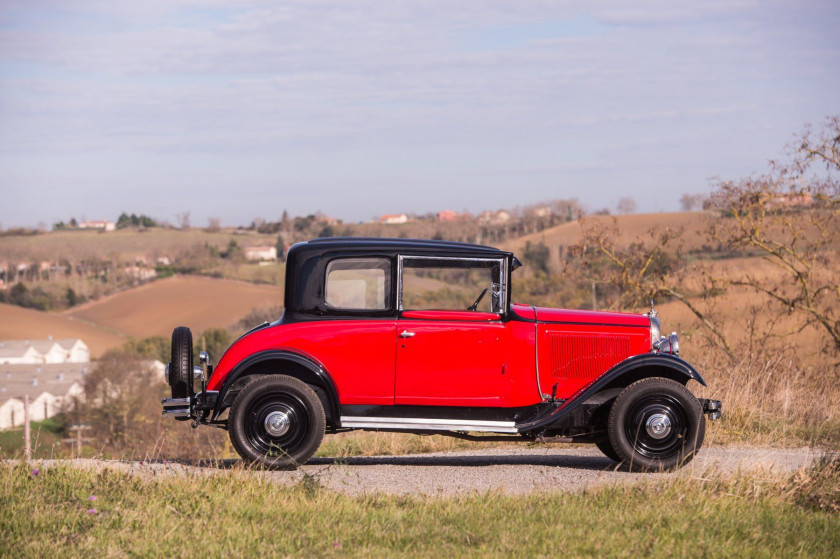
x: 450, y: 285
x: 359, y: 284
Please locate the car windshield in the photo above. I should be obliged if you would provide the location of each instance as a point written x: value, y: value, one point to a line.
x: 441, y: 284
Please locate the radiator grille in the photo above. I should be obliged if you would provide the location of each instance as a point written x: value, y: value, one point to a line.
x: 584, y: 356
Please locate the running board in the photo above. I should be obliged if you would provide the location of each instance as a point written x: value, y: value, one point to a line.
x: 425, y: 424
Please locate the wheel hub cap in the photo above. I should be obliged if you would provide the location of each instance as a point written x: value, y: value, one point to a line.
x: 277, y: 423
x: 658, y: 426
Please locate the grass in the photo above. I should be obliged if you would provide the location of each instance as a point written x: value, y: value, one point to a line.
x: 46, y: 440
x: 70, y: 511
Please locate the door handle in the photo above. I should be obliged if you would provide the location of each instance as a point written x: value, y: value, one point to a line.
x: 406, y: 334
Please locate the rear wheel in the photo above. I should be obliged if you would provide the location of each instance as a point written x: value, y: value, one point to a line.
x: 656, y: 424
x: 180, y: 367
x: 277, y: 422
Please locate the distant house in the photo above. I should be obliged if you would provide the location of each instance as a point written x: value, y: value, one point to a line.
x: 51, y: 389
x: 34, y: 352
x: 494, y: 218
x: 788, y: 201
x: 11, y: 412
x: 16, y: 353
x: 261, y: 253
x: 449, y: 215
x: 102, y: 224
x: 393, y: 219
x: 141, y: 273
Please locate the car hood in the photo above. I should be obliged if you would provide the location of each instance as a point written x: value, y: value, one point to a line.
x: 545, y: 314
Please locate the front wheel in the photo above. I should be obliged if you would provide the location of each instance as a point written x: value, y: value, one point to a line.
x: 656, y: 424
x: 277, y: 422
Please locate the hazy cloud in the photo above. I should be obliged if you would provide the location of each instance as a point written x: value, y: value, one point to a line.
x: 344, y: 106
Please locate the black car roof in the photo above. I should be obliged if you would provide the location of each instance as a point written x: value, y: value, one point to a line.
x: 306, y: 261
x: 431, y: 247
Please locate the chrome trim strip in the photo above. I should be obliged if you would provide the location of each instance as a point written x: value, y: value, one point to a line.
x: 428, y: 424
x: 537, y: 355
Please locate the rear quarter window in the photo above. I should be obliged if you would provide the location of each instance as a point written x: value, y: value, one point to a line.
x: 359, y: 284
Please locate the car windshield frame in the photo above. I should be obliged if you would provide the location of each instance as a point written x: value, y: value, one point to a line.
x: 501, y: 262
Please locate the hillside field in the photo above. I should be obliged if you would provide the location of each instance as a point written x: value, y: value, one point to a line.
x: 156, y: 308
x: 126, y: 244
x: 17, y: 323
x: 631, y: 227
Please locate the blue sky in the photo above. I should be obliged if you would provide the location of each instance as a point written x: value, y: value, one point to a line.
x: 241, y: 109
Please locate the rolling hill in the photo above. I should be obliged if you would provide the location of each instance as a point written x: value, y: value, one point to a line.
x: 17, y: 323
x: 158, y: 307
x: 631, y: 227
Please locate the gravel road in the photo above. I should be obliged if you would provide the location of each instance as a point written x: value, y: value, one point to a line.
x: 509, y: 470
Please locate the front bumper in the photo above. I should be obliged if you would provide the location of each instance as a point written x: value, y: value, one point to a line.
x: 712, y: 408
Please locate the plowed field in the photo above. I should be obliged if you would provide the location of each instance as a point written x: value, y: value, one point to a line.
x: 631, y: 228
x: 17, y: 323
x: 158, y: 307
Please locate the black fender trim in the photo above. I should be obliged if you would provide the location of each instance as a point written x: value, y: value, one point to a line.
x: 307, y: 370
x: 631, y: 369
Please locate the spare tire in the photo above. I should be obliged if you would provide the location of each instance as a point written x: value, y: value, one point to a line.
x: 180, y: 367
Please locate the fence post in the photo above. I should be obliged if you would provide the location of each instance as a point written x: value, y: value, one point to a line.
x: 27, y: 449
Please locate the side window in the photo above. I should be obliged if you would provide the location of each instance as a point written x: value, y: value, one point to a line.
x: 451, y: 284
x: 359, y: 284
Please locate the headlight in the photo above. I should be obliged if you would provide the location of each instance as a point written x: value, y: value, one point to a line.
x: 654, y: 332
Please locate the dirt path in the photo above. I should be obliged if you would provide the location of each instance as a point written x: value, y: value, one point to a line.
x: 509, y: 470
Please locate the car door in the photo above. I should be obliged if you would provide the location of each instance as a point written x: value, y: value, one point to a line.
x: 448, y: 354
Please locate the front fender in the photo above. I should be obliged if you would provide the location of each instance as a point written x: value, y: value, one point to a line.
x: 302, y: 368
x: 621, y: 375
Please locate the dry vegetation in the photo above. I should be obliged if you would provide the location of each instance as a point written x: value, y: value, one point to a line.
x: 764, y: 327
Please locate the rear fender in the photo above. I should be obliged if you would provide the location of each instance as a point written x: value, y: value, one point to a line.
x: 620, y: 376
x: 286, y: 363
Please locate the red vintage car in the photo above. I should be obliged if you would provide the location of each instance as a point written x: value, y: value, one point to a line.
x: 421, y: 336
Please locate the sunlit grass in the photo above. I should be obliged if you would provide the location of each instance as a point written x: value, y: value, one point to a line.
x: 68, y: 511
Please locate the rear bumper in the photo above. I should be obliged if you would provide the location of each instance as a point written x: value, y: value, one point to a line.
x: 177, y: 407
x: 199, y: 405
x: 712, y: 408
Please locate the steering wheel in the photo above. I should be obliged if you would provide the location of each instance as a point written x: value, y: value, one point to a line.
x: 474, y: 306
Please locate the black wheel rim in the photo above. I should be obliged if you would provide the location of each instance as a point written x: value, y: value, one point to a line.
x: 264, y: 442
x: 652, y: 409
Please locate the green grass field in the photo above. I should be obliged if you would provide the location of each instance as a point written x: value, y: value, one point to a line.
x: 67, y: 511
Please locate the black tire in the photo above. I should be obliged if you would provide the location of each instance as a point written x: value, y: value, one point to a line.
x: 606, y: 448
x: 181, y: 365
x: 656, y: 424
x: 295, y: 407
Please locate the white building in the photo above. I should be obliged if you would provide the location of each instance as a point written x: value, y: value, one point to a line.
x: 102, y: 224
x: 261, y: 253
x: 393, y: 219
x: 11, y: 412
x: 51, y: 389
x: 16, y: 353
x: 34, y: 352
